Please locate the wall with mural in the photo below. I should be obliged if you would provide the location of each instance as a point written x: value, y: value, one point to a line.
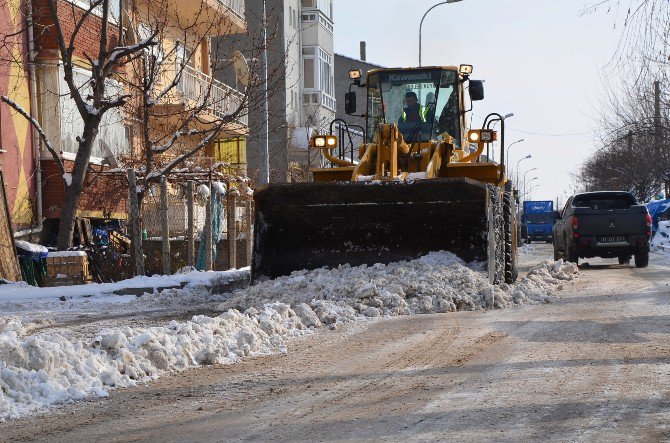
x: 18, y: 156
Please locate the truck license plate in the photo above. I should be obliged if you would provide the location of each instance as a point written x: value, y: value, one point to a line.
x: 617, y: 239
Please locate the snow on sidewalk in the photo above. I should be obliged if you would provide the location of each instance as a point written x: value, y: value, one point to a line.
x: 20, y: 298
x: 38, y: 370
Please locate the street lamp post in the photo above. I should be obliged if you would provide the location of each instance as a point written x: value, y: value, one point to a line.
x: 524, y: 179
x: 528, y: 185
x: 510, y: 145
x: 424, y: 17
x: 517, y: 169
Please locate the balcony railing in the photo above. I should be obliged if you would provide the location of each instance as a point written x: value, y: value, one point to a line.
x: 320, y: 98
x: 222, y: 100
x: 236, y: 6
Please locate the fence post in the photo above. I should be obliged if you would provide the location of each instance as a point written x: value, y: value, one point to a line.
x: 165, y: 228
x: 232, y: 228
x: 190, y: 235
x: 136, y: 256
x: 250, y: 230
x: 208, y: 233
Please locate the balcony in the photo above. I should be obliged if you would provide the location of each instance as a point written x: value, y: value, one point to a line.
x: 215, y: 17
x: 320, y: 98
x: 220, y: 101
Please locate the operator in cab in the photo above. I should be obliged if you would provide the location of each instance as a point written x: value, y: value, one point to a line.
x: 412, y: 121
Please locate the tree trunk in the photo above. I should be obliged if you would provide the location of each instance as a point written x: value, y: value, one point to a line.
x: 73, y: 192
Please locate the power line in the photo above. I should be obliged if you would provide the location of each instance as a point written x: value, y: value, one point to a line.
x: 543, y: 134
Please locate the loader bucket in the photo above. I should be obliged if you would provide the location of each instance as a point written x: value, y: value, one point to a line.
x: 314, y: 225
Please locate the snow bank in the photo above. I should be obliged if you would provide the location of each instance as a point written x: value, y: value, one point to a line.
x: 47, y: 368
x: 22, y: 292
x: 661, y: 240
x: 438, y: 282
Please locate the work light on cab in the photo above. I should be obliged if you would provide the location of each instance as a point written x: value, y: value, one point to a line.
x: 465, y: 69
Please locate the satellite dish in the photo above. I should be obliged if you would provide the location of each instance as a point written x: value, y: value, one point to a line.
x: 241, y: 68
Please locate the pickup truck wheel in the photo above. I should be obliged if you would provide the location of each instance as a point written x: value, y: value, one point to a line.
x: 642, y: 260
x: 571, y: 256
x: 557, y: 254
x: 624, y: 260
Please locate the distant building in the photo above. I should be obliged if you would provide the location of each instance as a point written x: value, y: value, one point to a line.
x: 301, y: 82
x: 343, y: 65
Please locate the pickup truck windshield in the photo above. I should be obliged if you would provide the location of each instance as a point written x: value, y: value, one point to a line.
x: 604, y: 201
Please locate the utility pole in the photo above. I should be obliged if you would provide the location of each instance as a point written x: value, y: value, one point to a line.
x: 265, y: 128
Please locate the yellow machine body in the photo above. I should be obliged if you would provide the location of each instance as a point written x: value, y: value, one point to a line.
x: 416, y: 187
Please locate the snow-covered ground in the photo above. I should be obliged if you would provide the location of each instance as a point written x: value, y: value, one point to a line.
x: 48, y: 365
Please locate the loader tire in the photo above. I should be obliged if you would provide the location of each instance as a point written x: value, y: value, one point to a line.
x: 496, y: 237
x: 511, y: 271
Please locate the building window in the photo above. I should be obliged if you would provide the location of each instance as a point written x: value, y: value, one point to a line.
x: 309, y: 68
x: 63, y: 132
x: 327, y: 80
x: 232, y: 151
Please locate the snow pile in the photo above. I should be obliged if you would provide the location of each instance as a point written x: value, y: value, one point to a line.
x: 661, y: 241
x: 48, y: 369
x: 438, y: 282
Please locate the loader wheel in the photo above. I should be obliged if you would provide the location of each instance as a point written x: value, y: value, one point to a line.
x: 511, y: 271
x: 496, y: 236
x: 624, y: 260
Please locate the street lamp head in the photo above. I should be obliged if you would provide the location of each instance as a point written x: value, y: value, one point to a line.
x: 511, y: 114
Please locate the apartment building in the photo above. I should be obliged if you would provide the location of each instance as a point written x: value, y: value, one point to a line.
x: 301, y: 83
x: 186, y: 29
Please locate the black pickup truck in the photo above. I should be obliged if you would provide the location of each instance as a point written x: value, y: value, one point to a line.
x: 603, y: 224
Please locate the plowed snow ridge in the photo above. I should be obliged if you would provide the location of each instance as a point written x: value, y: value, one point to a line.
x: 48, y: 369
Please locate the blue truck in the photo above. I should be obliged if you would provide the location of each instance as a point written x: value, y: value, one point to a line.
x: 538, y: 220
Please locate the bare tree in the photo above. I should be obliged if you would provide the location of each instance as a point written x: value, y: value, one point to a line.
x: 94, y: 98
x: 181, y: 109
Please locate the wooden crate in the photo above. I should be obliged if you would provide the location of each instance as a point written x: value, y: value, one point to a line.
x: 68, y: 268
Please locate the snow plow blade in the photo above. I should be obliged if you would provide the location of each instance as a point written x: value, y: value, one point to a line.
x: 315, y: 225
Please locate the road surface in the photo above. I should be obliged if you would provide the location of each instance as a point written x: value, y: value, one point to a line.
x: 593, y: 366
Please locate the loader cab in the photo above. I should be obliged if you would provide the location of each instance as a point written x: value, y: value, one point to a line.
x: 425, y: 103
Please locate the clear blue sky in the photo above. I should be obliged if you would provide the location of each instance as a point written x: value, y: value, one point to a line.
x: 541, y: 59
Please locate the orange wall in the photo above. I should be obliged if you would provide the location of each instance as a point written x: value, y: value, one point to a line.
x: 18, y: 164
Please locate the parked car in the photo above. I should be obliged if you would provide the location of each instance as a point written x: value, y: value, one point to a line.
x: 603, y: 224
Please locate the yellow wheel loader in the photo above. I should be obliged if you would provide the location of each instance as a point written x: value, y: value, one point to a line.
x: 421, y: 182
